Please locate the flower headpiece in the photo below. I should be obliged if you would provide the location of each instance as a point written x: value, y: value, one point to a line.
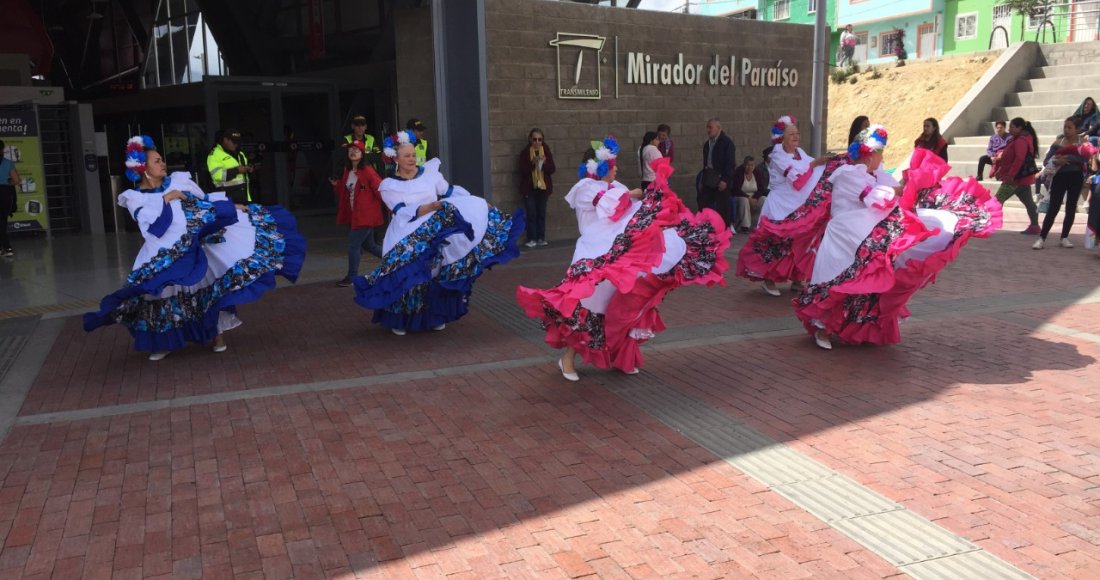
x: 780, y: 126
x: 868, y: 141
x: 390, y: 144
x: 135, y: 156
x: 606, y: 153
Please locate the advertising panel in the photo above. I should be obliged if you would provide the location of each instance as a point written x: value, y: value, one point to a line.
x: 19, y: 132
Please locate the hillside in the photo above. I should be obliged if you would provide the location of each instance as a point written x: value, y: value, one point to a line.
x: 901, y: 98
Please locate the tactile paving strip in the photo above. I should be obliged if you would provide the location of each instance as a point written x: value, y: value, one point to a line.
x: 915, y: 545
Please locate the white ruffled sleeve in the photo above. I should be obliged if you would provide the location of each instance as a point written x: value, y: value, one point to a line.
x: 148, y: 210
x: 581, y: 195
x: 393, y: 197
x: 849, y: 181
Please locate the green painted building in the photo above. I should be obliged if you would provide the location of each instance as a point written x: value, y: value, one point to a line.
x: 969, y: 25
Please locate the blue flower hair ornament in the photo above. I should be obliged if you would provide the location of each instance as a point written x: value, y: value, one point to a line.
x: 606, y: 153
x: 136, y: 156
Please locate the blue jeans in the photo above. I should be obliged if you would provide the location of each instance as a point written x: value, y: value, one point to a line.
x: 359, y: 239
x: 535, y: 202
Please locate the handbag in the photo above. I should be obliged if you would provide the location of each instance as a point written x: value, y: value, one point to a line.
x: 1028, y: 167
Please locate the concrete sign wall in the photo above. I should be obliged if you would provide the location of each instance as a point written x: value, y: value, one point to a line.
x: 579, y: 72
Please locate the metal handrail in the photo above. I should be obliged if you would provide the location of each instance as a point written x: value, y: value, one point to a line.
x: 1042, y: 28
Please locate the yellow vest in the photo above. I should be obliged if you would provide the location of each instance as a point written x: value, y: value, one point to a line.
x: 220, y: 161
x: 421, y: 151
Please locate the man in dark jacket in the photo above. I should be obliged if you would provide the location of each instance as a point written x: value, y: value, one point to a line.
x: 719, y: 153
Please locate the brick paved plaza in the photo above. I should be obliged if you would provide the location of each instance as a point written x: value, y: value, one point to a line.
x: 320, y: 445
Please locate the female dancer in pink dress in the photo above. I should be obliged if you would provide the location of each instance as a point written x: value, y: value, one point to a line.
x: 794, y: 214
x: 883, y: 242
x: 635, y: 247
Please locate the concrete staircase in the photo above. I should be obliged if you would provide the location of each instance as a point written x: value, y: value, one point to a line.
x: 1050, y: 93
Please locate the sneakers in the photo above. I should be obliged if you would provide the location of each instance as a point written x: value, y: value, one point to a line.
x: 1032, y: 231
x: 531, y: 244
x: 543, y: 243
x: 1038, y: 245
x: 1065, y: 243
x: 344, y: 283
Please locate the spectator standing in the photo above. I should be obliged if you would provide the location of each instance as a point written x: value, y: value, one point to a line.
x: 848, y: 41
x: 646, y: 155
x: 666, y: 146
x: 931, y: 139
x: 536, y: 168
x: 997, y: 142
x: 421, y: 131
x: 360, y: 206
x: 719, y: 153
x: 1069, y: 176
x: 858, y: 125
x: 1017, y: 159
x: 9, y: 181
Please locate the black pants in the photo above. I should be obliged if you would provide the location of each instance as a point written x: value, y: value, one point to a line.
x: 7, y: 204
x: 1094, y: 208
x: 717, y: 200
x: 238, y: 194
x: 1066, y: 185
x: 535, y: 205
x: 982, y: 162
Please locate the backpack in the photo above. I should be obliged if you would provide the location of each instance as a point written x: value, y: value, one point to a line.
x: 1028, y: 167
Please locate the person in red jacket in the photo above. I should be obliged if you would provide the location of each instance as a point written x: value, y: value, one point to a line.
x: 360, y: 206
x: 1015, y: 181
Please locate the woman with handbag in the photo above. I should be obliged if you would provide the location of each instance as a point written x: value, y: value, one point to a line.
x: 1016, y: 170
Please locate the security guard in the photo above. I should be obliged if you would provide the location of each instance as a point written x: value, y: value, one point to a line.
x: 370, y: 148
x: 359, y: 133
x: 421, y: 139
x: 229, y: 168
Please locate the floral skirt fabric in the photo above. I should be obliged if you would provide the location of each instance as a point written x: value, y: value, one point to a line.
x: 611, y: 339
x: 412, y: 290
x: 866, y: 302
x: 177, y: 297
x: 780, y: 251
